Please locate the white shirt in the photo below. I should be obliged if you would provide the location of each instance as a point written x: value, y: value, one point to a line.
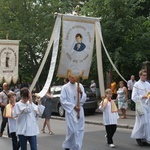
x: 130, y: 84
x: 12, y: 125
x: 140, y: 89
x: 3, y: 97
x: 93, y: 87
x: 108, y: 116
x: 27, y: 118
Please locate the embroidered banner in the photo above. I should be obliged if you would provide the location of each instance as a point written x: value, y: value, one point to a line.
x: 77, y: 46
x: 9, y: 60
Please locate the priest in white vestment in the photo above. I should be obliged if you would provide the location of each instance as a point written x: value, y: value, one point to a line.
x: 141, y: 130
x: 75, y: 125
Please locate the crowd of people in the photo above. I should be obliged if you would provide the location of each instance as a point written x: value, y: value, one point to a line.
x: 19, y: 114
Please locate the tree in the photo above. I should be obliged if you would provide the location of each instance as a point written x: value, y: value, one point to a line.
x: 125, y: 32
x: 125, y: 27
x: 31, y: 22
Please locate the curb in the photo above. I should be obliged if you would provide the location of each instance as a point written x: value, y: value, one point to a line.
x: 125, y: 126
x: 130, y: 115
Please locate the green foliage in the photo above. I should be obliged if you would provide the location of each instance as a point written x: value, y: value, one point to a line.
x: 32, y: 23
x: 125, y: 26
x: 125, y: 32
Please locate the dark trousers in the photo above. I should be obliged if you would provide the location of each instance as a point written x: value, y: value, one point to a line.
x: 110, y: 130
x: 132, y: 102
x: 23, y: 142
x: 4, y: 121
x: 15, y: 143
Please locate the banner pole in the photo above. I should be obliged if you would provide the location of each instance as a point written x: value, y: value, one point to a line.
x: 99, y: 62
x: 78, y: 99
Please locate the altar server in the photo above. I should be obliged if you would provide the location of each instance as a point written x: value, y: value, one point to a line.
x: 27, y: 114
x: 75, y: 123
x: 141, y: 130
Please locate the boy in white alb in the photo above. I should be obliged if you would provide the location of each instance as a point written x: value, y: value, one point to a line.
x: 11, y: 121
x: 110, y: 116
x: 27, y: 114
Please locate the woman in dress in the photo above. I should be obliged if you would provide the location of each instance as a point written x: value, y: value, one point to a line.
x: 122, y: 97
x: 47, y: 102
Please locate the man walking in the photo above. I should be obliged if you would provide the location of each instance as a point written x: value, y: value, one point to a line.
x: 93, y: 86
x: 74, y: 113
x: 3, y: 103
x: 141, y: 130
x: 130, y: 85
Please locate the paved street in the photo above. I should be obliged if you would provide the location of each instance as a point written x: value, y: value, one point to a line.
x: 93, y: 140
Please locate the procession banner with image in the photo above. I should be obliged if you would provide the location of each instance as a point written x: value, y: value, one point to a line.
x: 77, y: 46
x: 9, y: 60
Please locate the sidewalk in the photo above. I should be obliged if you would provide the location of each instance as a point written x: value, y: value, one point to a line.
x: 127, y: 123
x: 97, y: 119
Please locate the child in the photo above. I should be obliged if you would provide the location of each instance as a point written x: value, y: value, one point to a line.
x: 110, y: 116
x: 28, y: 113
x: 11, y: 121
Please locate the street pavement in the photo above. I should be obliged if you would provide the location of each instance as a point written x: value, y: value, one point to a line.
x: 97, y: 119
x: 94, y: 138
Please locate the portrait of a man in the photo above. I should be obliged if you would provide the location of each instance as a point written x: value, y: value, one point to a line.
x: 79, y: 46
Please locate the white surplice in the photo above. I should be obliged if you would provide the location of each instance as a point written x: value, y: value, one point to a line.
x: 12, y: 123
x: 109, y: 117
x: 27, y: 115
x: 141, y: 128
x: 75, y: 126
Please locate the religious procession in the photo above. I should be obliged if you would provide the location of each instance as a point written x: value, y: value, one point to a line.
x: 73, y: 91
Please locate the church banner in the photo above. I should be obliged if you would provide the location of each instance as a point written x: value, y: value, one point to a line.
x: 77, y: 46
x: 9, y: 60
